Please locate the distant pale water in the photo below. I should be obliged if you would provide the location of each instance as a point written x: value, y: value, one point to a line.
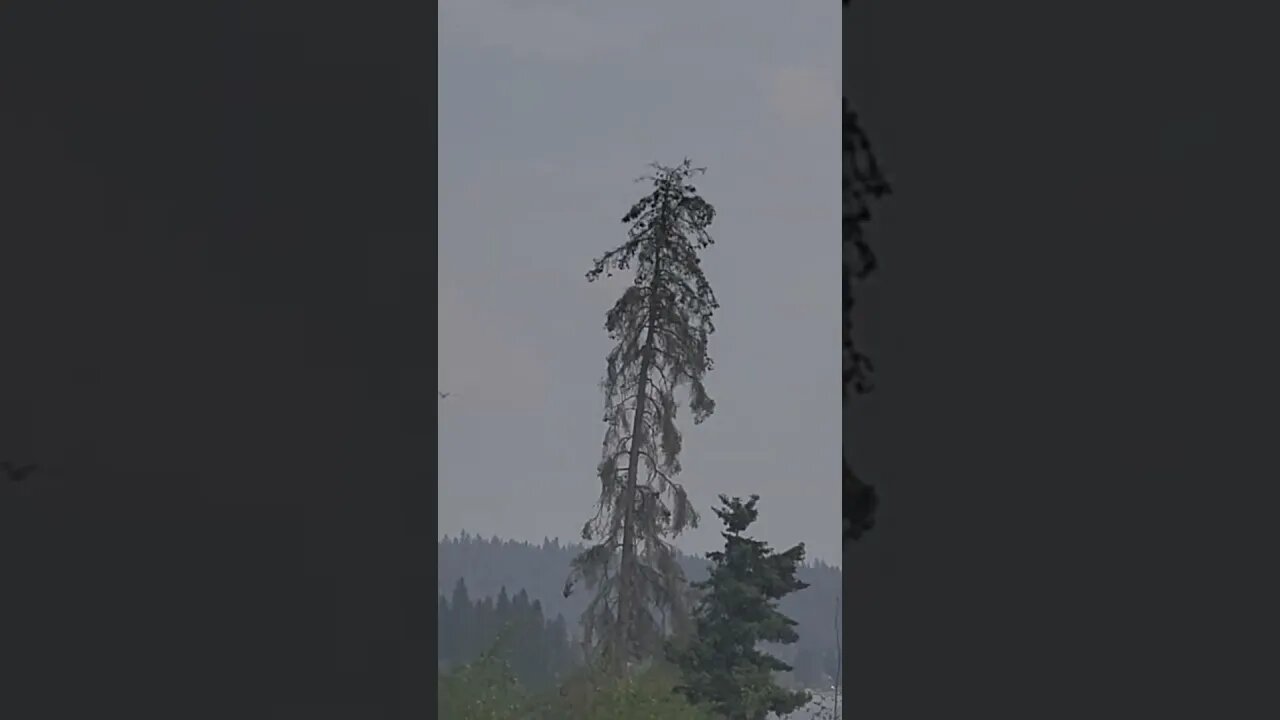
x: 820, y: 709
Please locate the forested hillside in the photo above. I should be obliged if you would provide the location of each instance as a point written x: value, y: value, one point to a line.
x: 489, y: 565
x: 538, y: 649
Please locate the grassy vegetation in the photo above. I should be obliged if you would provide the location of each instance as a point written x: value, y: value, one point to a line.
x: 488, y: 690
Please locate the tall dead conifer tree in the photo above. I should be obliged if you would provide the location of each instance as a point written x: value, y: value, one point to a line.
x: 661, y: 326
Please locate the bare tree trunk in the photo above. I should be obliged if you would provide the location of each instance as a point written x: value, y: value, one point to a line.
x: 626, y: 569
x: 839, y: 663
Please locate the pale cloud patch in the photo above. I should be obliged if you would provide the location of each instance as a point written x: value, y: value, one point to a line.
x: 802, y: 97
x: 551, y: 31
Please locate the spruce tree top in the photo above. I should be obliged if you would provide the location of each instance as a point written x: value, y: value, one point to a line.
x: 722, y: 667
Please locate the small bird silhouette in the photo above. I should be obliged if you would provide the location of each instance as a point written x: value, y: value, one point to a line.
x: 18, y: 473
x: 443, y: 395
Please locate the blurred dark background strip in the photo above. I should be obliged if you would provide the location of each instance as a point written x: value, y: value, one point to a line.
x: 217, y: 259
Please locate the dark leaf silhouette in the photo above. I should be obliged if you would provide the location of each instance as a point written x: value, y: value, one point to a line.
x: 18, y: 473
x: 860, y: 502
x: 863, y: 182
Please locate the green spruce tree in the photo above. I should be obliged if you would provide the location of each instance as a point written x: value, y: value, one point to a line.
x: 486, y: 626
x: 561, y: 649
x: 502, y: 608
x: 445, y: 641
x: 722, y: 666
x: 463, y: 630
x: 660, y: 326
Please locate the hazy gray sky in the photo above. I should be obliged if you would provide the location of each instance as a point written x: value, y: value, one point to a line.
x: 548, y: 111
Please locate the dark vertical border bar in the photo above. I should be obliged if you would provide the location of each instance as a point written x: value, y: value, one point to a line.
x: 181, y: 165
x: 864, y: 183
x: 420, y: 675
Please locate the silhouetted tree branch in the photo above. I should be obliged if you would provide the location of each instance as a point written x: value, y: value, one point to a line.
x: 863, y: 182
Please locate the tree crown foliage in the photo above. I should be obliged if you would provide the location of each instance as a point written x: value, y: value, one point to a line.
x: 723, y: 666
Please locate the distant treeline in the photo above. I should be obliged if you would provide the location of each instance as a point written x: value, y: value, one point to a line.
x: 539, y: 651
x: 491, y: 565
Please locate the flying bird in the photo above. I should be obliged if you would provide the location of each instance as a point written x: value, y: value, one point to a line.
x: 443, y: 395
x: 18, y: 473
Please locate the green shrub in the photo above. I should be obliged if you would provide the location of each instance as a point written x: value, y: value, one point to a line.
x: 486, y: 689
x: 649, y: 695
